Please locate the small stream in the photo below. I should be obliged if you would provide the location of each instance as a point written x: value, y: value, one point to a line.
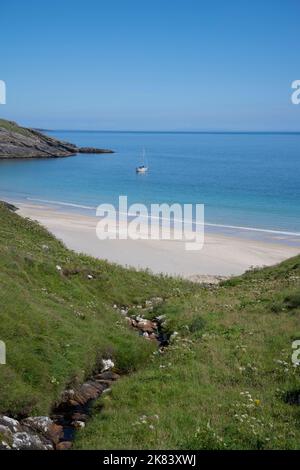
x: 76, y: 405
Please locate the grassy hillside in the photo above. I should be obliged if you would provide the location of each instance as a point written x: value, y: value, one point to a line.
x: 12, y: 126
x: 226, y: 381
x: 58, y: 324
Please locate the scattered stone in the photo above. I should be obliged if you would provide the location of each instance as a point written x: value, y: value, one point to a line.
x: 45, y: 426
x: 85, y: 393
x: 161, y: 318
x: 11, y: 423
x: 95, y: 383
x: 107, y: 383
x: 107, y: 364
x: 173, y: 336
x: 4, y: 445
x: 208, y: 280
x: 59, y: 268
x: 78, y: 424
x: 108, y: 375
x: 79, y: 417
x: 28, y: 441
x: 152, y: 336
x: 65, y: 445
x: 157, y: 300
x: 146, y: 325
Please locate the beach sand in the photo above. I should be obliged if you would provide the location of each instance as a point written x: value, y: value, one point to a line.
x: 220, y: 256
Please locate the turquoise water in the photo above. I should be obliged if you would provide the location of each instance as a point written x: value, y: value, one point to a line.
x: 249, y: 180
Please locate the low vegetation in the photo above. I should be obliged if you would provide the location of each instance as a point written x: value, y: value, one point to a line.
x: 226, y: 381
x: 56, y: 321
x: 12, y: 126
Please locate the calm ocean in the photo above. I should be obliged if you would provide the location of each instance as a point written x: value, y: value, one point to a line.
x: 245, y: 180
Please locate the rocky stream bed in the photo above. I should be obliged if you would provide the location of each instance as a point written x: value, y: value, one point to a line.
x: 57, y: 431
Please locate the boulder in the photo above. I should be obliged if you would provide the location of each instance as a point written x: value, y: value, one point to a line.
x: 64, y: 445
x: 107, y: 364
x: 72, y: 398
x: 29, y: 441
x: 108, y: 375
x: 105, y: 383
x: 11, y: 423
x: 89, y: 392
x: 78, y: 424
x: 146, y: 326
x: 45, y: 426
x: 79, y: 417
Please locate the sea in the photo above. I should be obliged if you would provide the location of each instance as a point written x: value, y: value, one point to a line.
x: 249, y: 183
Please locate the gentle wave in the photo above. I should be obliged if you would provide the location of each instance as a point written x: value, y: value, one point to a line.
x: 233, y: 227
x: 60, y: 203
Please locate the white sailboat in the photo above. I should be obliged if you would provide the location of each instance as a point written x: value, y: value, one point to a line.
x: 144, y: 167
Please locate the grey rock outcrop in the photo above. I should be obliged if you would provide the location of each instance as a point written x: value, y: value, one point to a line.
x: 37, y: 433
x: 22, y: 142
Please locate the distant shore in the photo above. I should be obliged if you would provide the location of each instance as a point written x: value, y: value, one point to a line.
x: 220, y: 256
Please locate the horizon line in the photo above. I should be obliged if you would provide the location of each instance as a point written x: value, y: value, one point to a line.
x: 128, y: 131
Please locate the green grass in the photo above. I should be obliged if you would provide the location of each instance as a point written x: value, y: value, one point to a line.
x: 223, y: 382
x: 13, y: 127
x: 58, y: 326
x: 226, y: 382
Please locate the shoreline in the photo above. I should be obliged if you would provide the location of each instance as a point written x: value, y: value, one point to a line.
x: 280, y: 235
x: 221, y: 255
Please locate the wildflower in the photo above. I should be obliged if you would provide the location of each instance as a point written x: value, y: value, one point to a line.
x: 257, y: 402
x: 54, y: 380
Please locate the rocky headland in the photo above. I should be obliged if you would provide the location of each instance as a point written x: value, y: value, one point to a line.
x: 22, y: 142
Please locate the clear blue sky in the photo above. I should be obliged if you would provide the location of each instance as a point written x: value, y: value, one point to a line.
x: 151, y: 64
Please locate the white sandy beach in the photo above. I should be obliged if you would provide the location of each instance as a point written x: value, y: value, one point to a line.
x: 220, y: 256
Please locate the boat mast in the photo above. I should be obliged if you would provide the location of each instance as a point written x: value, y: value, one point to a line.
x: 144, y: 155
